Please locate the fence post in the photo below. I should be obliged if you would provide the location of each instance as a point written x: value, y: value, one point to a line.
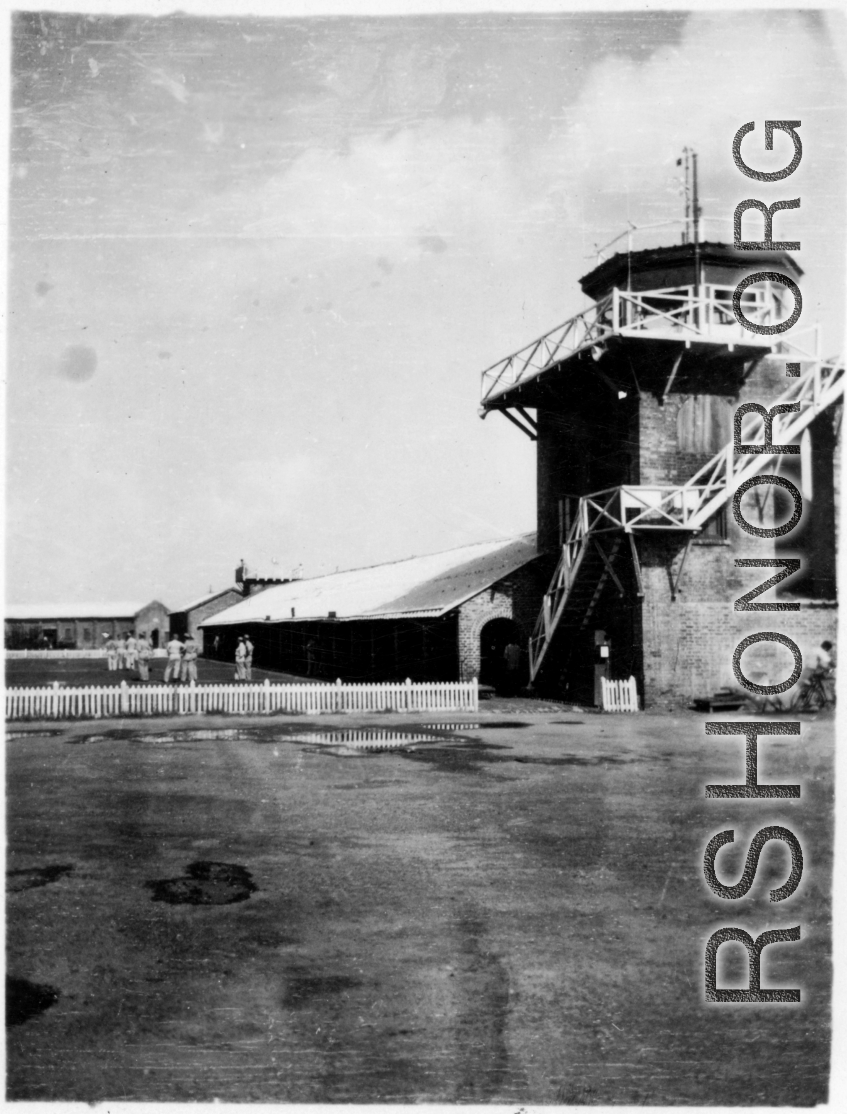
x: 408, y: 694
x: 124, y: 697
x: 54, y: 700
x: 338, y: 694
x: 267, y: 697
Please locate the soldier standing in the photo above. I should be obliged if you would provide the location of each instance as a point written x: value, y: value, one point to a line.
x: 240, y: 658
x: 174, y: 659
x: 189, y: 660
x: 131, y: 650
x: 144, y: 651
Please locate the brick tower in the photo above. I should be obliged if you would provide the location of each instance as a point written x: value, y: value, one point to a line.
x: 633, y: 405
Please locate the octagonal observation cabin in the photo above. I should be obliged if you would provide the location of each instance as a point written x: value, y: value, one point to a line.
x: 661, y: 324
x: 662, y: 297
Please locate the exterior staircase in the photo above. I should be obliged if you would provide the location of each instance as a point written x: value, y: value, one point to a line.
x: 603, y: 518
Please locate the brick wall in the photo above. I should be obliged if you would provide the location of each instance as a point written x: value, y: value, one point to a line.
x: 205, y: 611
x: 155, y: 616
x: 688, y: 642
x: 517, y: 597
x: 688, y: 646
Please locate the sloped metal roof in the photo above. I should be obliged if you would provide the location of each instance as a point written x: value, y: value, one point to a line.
x: 209, y: 596
x: 415, y: 587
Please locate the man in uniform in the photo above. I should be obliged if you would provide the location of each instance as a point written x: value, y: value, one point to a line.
x: 131, y: 650
x: 144, y: 651
x: 189, y: 660
x: 174, y: 659
x: 512, y: 674
x: 111, y: 654
x: 240, y: 657
x: 248, y: 658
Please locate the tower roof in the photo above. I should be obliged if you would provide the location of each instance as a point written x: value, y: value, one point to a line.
x: 656, y: 268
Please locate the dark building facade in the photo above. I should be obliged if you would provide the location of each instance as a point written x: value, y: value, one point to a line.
x: 188, y: 619
x: 445, y: 616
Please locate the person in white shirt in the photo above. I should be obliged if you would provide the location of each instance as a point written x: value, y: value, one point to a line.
x: 111, y: 654
x: 172, y: 669
x: 131, y: 651
x: 248, y: 658
x: 144, y: 651
x: 826, y: 657
x: 240, y: 659
x: 189, y: 660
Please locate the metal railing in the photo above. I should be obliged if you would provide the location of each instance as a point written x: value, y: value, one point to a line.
x: 684, y: 313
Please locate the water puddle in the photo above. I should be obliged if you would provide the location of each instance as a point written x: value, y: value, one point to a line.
x: 32, y: 734
x: 495, y: 724
x: 25, y: 999
x: 30, y: 878
x: 202, y: 735
x: 362, y: 739
x: 205, y: 883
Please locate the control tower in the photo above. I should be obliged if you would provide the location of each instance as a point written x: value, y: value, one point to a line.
x: 631, y: 405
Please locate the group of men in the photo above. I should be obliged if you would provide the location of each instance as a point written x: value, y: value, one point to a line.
x: 128, y: 652
x: 182, y: 659
x: 244, y: 659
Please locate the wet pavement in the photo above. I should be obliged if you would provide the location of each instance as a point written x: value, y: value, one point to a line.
x: 399, y: 909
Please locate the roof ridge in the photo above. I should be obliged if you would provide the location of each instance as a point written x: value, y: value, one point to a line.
x: 413, y: 557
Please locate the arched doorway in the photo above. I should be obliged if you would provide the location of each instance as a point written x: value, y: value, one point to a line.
x: 494, y: 637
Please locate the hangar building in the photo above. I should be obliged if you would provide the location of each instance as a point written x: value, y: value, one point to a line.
x: 445, y: 616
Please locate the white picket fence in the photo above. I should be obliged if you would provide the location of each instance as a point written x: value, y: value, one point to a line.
x: 59, y: 702
x: 619, y: 696
x: 54, y: 655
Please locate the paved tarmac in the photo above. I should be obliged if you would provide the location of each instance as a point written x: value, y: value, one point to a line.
x: 511, y: 912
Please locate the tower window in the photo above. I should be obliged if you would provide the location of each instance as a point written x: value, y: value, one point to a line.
x: 704, y: 424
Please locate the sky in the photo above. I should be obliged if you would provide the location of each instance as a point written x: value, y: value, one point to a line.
x: 257, y: 264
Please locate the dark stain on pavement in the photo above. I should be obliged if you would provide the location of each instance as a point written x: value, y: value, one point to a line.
x: 25, y: 999
x: 568, y: 722
x: 463, y: 756
x: 205, y: 883
x: 30, y: 878
x: 574, y: 760
x: 304, y: 986
x: 483, y: 1008
x: 468, y: 755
